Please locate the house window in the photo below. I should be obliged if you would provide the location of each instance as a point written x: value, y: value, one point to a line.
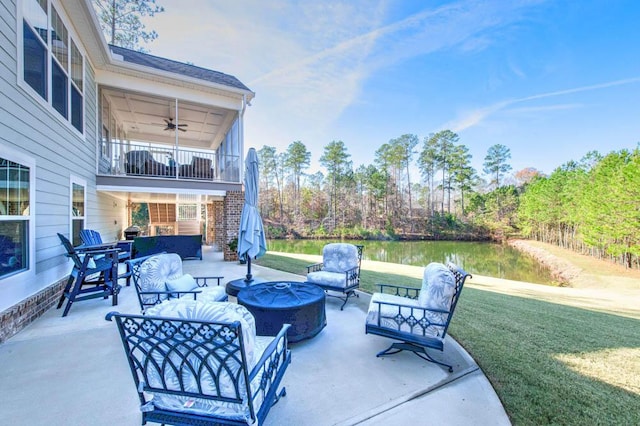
x: 15, y: 216
x: 78, y: 203
x: 52, y: 64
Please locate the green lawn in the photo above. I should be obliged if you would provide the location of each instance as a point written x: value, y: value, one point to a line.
x: 549, y: 363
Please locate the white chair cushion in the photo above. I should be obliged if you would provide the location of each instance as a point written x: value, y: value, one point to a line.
x: 156, y: 271
x: 186, y: 308
x: 334, y: 279
x: 183, y: 283
x: 438, y: 287
x: 211, y: 294
x: 339, y: 257
x: 254, y: 348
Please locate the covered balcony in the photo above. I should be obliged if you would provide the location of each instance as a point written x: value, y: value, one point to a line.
x: 150, y: 141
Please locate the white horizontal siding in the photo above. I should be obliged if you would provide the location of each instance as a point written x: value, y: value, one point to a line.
x: 28, y: 126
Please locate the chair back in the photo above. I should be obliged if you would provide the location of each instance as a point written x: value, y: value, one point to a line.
x: 460, y: 276
x: 150, y: 273
x: 182, y: 361
x: 90, y: 237
x: 71, y: 251
x: 341, y: 257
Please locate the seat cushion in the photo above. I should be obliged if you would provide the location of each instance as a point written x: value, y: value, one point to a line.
x: 331, y: 279
x: 339, y: 257
x: 212, y: 294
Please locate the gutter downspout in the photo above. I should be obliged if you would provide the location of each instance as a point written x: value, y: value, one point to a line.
x: 241, y: 135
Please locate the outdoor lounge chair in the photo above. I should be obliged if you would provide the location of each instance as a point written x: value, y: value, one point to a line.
x: 94, y: 274
x: 159, y: 277
x: 202, y: 363
x: 90, y: 237
x: 339, y: 270
x: 418, y: 318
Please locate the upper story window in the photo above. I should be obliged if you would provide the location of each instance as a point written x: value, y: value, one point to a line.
x: 52, y: 64
x: 16, y: 217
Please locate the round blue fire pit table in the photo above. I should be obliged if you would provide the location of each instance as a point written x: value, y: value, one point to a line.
x: 285, y: 302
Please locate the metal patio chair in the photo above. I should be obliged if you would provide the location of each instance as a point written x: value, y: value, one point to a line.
x: 418, y: 318
x: 339, y: 271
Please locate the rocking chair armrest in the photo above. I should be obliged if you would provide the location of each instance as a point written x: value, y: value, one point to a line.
x: 315, y: 267
x: 398, y: 290
x: 203, y: 281
x: 270, y: 350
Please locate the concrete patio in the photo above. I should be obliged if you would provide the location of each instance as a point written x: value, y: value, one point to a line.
x: 72, y: 371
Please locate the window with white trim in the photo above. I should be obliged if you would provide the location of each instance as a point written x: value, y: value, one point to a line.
x: 16, y: 198
x: 52, y: 64
x: 78, y: 209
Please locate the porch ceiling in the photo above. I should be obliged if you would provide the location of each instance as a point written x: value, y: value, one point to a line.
x: 143, y: 119
x: 154, y: 197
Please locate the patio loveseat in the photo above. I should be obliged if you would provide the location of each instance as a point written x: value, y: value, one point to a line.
x: 202, y: 363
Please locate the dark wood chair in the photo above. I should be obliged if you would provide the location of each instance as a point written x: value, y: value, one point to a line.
x: 417, y: 318
x: 93, y: 238
x: 94, y: 274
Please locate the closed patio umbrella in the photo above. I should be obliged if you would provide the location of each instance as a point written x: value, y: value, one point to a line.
x: 252, y: 242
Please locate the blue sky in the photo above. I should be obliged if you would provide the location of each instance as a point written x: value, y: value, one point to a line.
x: 551, y: 80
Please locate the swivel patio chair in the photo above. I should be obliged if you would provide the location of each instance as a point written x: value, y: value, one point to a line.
x: 418, y: 318
x: 339, y: 271
x: 196, y: 363
x: 159, y: 277
x: 90, y: 237
x: 94, y: 275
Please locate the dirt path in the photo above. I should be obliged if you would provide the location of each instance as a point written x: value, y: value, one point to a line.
x: 580, y: 271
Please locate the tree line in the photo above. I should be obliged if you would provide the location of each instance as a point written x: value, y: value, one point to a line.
x: 378, y: 199
x: 591, y: 206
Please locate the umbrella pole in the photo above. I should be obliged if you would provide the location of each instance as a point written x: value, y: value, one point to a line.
x: 249, y: 277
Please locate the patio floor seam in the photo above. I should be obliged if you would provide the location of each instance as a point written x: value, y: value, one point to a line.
x: 398, y: 402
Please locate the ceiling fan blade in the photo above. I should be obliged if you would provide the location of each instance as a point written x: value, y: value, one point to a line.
x: 169, y: 122
x: 182, y: 125
x: 181, y: 129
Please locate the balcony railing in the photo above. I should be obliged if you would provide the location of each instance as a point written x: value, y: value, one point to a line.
x: 167, y: 162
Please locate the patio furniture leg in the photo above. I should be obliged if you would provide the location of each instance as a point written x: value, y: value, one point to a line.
x: 65, y: 291
x: 346, y: 298
x: 418, y: 350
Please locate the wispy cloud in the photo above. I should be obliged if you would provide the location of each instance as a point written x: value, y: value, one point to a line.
x: 477, y: 116
x: 309, y: 61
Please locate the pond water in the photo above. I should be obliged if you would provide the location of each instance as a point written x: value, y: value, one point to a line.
x: 482, y: 258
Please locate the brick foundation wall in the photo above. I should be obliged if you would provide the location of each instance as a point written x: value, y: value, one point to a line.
x: 233, y: 202
x: 24, y: 313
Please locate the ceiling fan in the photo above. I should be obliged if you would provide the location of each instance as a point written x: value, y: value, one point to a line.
x: 172, y: 126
